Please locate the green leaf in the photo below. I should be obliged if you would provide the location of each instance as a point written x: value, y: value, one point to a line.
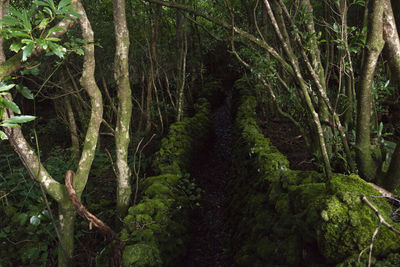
x: 14, y: 12
x: 25, y: 91
x: 15, y: 47
x: 51, y: 4
x: 54, y: 29
x: 52, y: 39
x: 19, y: 119
x: 10, y: 21
x: 3, y: 136
x: 10, y: 125
x: 27, y: 41
x: 35, y: 220
x: 26, y: 23
x: 18, y: 34
x: 48, y: 11
x: 75, y: 14
x: 58, y: 50
x: 27, y: 51
x: 43, y: 23
x: 22, y: 218
x: 336, y: 27
x: 6, y: 87
x: 63, y: 3
x: 11, y: 105
x: 42, y: 43
x: 79, y: 52
x: 41, y: 3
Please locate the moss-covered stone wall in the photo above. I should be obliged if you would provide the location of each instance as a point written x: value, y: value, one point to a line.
x: 282, y: 217
x: 155, y: 230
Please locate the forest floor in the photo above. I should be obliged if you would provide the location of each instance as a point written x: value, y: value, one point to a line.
x: 210, y: 243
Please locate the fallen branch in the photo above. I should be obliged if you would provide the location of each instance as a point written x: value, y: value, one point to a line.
x: 104, y: 229
x: 381, y: 221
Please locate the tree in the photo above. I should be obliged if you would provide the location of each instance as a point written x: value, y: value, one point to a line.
x: 28, y: 155
x: 122, y: 134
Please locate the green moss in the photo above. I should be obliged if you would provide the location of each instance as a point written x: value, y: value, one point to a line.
x: 156, y: 228
x: 296, y: 213
x: 351, y: 222
x: 142, y: 255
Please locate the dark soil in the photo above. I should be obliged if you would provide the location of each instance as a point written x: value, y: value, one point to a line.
x: 210, y: 238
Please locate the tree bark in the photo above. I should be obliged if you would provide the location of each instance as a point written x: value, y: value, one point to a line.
x: 122, y: 138
x: 88, y: 82
x: 392, y: 53
x: 366, y: 164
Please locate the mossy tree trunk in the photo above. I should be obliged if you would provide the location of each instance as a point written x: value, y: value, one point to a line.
x: 121, y: 75
x: 29, y: 157
x: 66, y: 219
x: 366, y: 164
x: 392, y: 54
x: 88, y: 82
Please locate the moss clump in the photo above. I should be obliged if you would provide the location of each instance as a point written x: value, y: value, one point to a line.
x: 296, y: 217
x: 155, y: 230
x: 349, y: 223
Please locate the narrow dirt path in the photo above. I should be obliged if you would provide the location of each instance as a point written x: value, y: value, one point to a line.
x: 210, y: 238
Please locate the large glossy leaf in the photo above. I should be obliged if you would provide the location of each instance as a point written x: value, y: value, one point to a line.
x: 10, y: 21
x: 63, y: 3
x: 10, y: 125
x: 15, y: 47
x: 3, y: 136
x: 27, y: 51
x: 6, y: 87
x: 11, y: 105
x: 25, y: 91
x: 19, y: 119
x: 26, y: 23
x: 54, y: 29
x: 58, y: 50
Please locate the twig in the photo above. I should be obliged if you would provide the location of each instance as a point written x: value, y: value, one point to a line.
x: 381, y: 221
x: 363, y: 198
x: 112, y: 162
x: 137, y: 170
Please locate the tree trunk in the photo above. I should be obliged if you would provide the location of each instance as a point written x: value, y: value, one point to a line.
x: 366, y: 164
x: 297, y: 73
x: 73, y: 129
x: 66, y: 218
x: 392, y: 54
x: 121, y: 75
x: 88, y: 82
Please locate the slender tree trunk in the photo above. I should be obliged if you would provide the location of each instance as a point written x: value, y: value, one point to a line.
x: 392, y: 53
x: 121, y: 74
x: 88, y: 82
x: 366, y: 164
x: 66, y: 219
x: 297, y: 72
x: 73, y: 129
